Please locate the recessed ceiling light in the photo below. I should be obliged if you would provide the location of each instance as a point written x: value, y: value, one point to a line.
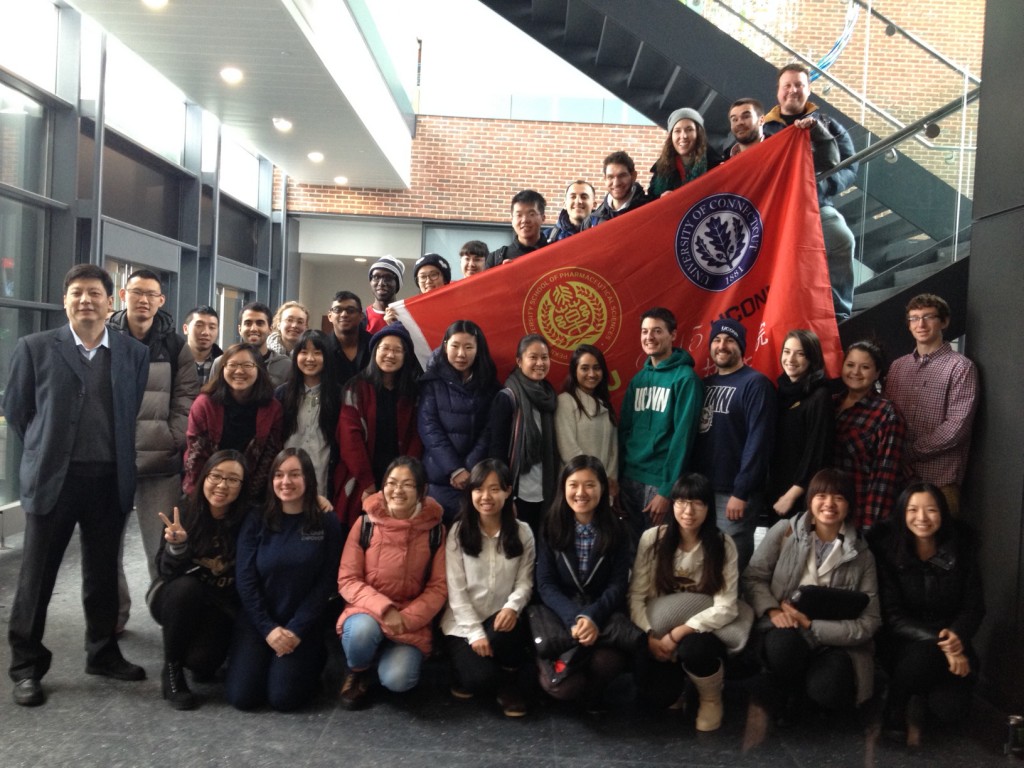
x: 231, y: 75
x: 283, y: 124
x: 359, y: 260
x: 156, y: 5
x: 341, y: 180
x: 316, y: 157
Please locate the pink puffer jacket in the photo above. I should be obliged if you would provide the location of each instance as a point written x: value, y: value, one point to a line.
x: 395, y: 570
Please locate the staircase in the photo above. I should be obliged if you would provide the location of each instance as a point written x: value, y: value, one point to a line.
x: 658, y: 55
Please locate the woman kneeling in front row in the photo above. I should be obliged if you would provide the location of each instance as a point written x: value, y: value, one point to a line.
x: 489, y: 561
x: 828, y: 660
x: 683, y: 591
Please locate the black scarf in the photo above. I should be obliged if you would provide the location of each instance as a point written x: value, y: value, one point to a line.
x: 532, y: 444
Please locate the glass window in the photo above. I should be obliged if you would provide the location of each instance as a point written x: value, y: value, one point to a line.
x: 23, y: 136
x: 239, y: 173
x: 14, y: 323
x: 143, y: 104
x: 133, y: 191
x: 237, y: 233
x: 28, y: 41
x: 22, y: 250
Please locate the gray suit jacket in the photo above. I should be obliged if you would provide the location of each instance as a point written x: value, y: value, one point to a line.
x: 43, y: 403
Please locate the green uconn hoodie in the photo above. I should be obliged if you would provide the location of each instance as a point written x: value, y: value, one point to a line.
x: 659, y: 420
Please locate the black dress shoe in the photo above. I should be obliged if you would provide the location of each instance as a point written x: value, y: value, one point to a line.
x: 119, y: 669
x: 28, y: 692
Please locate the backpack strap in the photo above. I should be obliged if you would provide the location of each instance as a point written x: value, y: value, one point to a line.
x: 365, y: 531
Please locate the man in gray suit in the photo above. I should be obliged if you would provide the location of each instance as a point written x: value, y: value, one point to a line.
x: 73, y: 397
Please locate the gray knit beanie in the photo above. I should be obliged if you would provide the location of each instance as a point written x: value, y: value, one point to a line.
x: 684, y: 113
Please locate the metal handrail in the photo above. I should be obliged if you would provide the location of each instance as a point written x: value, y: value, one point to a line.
x: 919, y: 43
x: 884, y: 144
x: 891, y: 119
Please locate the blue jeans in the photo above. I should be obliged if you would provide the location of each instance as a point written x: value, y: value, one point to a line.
x: 839, y: 245
x: 741, y: 531
x: 399, y: 664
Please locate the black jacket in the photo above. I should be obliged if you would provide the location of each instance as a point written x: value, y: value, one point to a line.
x: 920, y: 598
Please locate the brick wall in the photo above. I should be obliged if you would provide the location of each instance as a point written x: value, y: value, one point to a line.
x: 466, y: 169
x: 894, y: 74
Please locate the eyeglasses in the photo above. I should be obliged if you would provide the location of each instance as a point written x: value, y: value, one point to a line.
x: 916, y: 319
x: 343, y: 311
x: 692, y: 503
x: 240, y: 366
x: 393, y: 485
x: 216, y: 478
x: 386, y: 278
x: 138, y: 293
x: 396, y: 351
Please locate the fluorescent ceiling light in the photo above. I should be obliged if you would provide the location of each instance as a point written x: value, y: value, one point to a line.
x: 341, y: 180
x: 316, y: 157
x: 283, y: 124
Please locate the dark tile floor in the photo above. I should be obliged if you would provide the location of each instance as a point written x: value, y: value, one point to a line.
x: 89, y: 721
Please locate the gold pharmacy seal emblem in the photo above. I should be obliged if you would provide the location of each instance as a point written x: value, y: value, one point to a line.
x: 572, y: 306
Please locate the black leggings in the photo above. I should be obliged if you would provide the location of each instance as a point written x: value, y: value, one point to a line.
x: 824, y: 674
x: 482, y: 674
x: 196, y: 624
x: 659, y: 683
x: 587, y: 683
x: 921, y: 669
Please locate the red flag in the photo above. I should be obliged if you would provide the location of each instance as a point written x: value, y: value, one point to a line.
x: 744, y: 241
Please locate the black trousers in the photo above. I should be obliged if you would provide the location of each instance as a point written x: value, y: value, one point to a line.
x: 825, y: 674
x: 482, y: 674
x: 196, y: 624
x: 91, y: 503
x: 921, y: 669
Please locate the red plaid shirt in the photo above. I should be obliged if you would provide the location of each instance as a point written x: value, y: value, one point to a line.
x: 869, y: 445
x: 936, y: 395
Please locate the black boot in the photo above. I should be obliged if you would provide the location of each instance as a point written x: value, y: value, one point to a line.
x: 175, y: 687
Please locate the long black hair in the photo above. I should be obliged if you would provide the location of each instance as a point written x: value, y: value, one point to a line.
x: 200, y: 524
x: 694, y: 487
x: 312, y: 517
x: 295, y: 389
x: 469, y: 535
x: 559, y: 526
x: 483, y: 369
x: 572, y: 382
x: 262, y: 389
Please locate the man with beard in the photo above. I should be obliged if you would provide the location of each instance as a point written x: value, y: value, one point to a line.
x: 735, y: 434
x: 624, y: 191
x: 254, y: 328
x: 350, y: 342
x: 578, y: 212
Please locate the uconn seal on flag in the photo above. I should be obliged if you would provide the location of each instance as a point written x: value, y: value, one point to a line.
x: 718, y: 241
x: 572, y: 306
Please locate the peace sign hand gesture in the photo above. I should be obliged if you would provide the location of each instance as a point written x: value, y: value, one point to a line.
x: 173, y: 533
